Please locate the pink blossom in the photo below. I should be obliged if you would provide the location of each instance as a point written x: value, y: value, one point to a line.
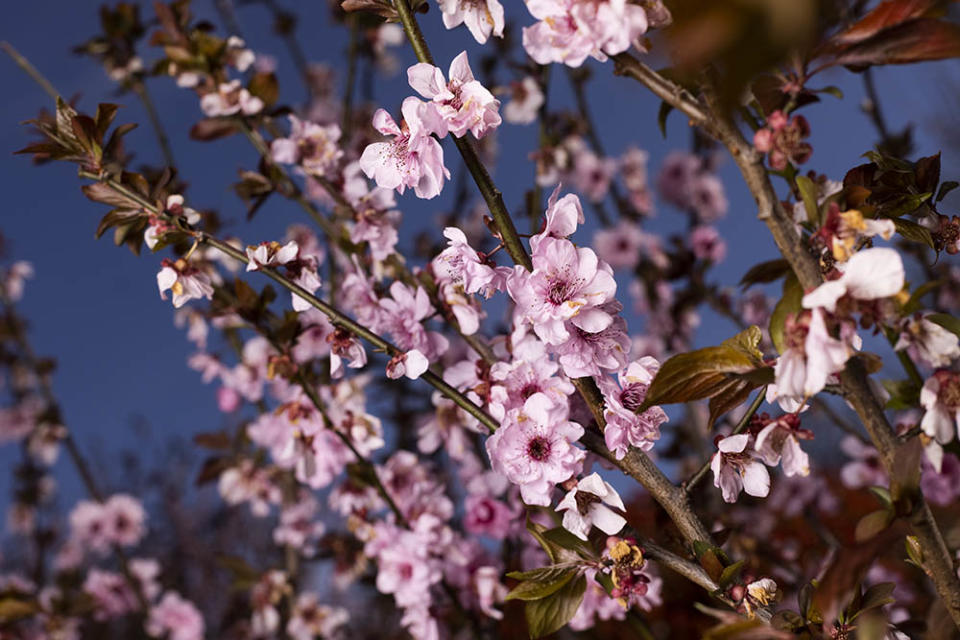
x: 411, y: 364
x: 567, y: 284
x: 311, y: 146
x: 310, y: 619
x: 526, y: 98
x: 562, y: 217
x: 482, y: 17
x: 865, y: 468
x: 736, y: 468
x: 928, y: 342
x: 229, y: 99
x: 175, y: 619
x: 299, y: 526
x: 707, y: 244
x: 625, y: 427
x: 247, y: 482
x: 413, y: 158
x: 534, y: 449
x: 783, y: 140
x: 14, y: 279
x: 596, y: 603
x: 940, y: 397
x: 511, y: 384
x: 184, y: 280
x: 464, y: 265
x: 812, y: 357
x: 620, y: 246
x: 588, y: 505
x: 589, y: 353
x: 238, y: 54
x: 448, y: 426
x: 592, y: 174
x: 124, y: 519
x: 488, y: 516
x: 870, y: 274
x: 462, y: 102
x: 270, y: 254
x: 403, y: 313
x: 112, y: 596
x: 569, y: 31
x: 778, y: 442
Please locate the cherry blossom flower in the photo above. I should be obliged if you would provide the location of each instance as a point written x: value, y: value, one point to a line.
x: 569, y: 31
x: 247, y: 482
x: 592, y: 353
x: 411, y: 364
x: 511, y: 384
x: 466, y: 266
x: 625, y: 427
x: 175, y: 618
x: 534, y: 449
x: 778, y: 442
x: 736, y: 468
x: 812, y: 356
x: 928, y: 342
x: 413, y: 158
x: 865, y: 468
x: 760, y: 593
x: 870, y: 274
x: 184, y: 280
x: 567, y: 284
x: 596, y: 604
x: 311, y: 146
x: 238, y: 54
x: 526, y: 98
x: 940, y: 397
x: 842, y: 232
x: 707, y: 244
x: 310, y: 619
x: 620, y: 246
x: 592, y: 174
x: 588, y: 505
x: 229, y: 99
x: 462, y: 102
x: 14, y: 279
x: 782, y: 139
x: 270, y: 254
x: 403, y: 314
x: 632, y: 582
x: 112, y: 596
x: 488, y: 516
x: 482, y: 17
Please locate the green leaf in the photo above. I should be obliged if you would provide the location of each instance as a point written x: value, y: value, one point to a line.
x: 877, y: 596
x: 730, y: 573
x: 789, y: 303
x: 914, y: 232
x: 13, y: 609
x: 904, y: 394
x: 907, y: 203
x: 872, y: 524
x: 570, y: 542
x: 946, y: 321
x: 915, y: 302
x: 549, y: 614
x: 808, y: 191
x: 707, y: 372
x: 833, y: 91
x: 768, y: 271
x: 945, y: 188
x: 542, y: 582
x: 662, y: 115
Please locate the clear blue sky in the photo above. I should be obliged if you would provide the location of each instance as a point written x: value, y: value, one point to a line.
x: 96, y: 308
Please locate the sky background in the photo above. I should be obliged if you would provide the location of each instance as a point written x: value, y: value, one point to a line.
x: 96, y: 308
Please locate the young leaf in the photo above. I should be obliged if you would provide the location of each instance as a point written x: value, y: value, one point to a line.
x: 808, y: 191
x: 946, y: 321
x: 548, y: 581
x: 914, y: 232
x: 549, y: 614
x: 872, y: 524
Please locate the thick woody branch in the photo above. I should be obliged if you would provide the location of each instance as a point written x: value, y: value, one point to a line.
x: 937, y: 560
x: 637, y: 464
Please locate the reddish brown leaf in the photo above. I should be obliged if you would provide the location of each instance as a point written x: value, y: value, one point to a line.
x: 914, y: 41
x: 212, y: 129
x: 885, y: 15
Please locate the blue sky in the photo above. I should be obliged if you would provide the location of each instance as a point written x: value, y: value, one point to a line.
x: 96, y: 308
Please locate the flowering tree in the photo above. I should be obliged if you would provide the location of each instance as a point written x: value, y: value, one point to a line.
x: 537, y: 409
